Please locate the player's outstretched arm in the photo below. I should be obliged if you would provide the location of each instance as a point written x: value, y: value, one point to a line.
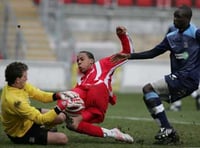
x: 120, y: 57
x: 126, y: 42
x: 121, y: 30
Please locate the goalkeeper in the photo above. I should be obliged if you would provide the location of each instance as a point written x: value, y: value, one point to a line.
x: 95, y: 89
x: 23, y: 123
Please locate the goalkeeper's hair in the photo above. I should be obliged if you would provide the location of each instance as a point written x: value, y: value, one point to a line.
x: 14, y: 70
x: 89, y: 54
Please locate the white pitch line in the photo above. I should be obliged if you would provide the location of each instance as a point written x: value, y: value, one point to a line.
x: 149, y: 119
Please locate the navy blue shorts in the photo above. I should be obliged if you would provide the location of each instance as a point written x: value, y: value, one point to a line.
x: 180, y: 87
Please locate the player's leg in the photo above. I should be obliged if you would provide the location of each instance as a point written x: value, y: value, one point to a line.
x: 97, y: 131
x: 45, y: 136
x: 56, y: 138
x: 153, y: 102
x: 83, y: 127
x: 53, y: 137
x: 41, y: 136
x: 96, y: 105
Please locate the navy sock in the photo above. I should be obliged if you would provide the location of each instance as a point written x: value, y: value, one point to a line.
x: 156, y: 108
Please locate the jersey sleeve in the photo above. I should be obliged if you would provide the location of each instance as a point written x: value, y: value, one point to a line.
x: 157, y: 50
x: 37, y: 94
x: 126, y: 43
x: 127, y: 47
x: 26, y: 111
x: 198, y: 35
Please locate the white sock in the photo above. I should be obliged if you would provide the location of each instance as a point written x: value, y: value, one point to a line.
x: 107, y: 132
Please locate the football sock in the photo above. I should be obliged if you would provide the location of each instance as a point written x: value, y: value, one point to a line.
x: 163, y: 120
x: 156, y: 108
x: 90, y: 129
x: 156, y: 119
x: 107, y: 132
x: 160, y: 114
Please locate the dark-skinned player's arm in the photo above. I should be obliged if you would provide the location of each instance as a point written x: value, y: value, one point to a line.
x: 149, y: 54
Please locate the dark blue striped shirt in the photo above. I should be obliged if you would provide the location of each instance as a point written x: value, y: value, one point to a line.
x: 184, y: 53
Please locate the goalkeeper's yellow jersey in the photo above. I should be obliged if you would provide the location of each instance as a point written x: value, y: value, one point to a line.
x: 17, y: 115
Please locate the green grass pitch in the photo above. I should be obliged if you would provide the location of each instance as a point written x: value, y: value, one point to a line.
x: 131, y: 116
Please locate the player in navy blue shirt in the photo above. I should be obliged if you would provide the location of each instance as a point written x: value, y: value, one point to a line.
x: 171, y: 29
x: 176, y: 106
x: 184, y: 46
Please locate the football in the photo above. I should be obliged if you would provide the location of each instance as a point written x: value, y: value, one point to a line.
x: 75, y: 107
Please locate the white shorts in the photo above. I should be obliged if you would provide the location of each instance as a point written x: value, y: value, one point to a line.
x: 161, y: 88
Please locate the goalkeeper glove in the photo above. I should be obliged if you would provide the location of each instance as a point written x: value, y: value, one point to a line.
x: 71, y: 94
x: 61, y: 105
x: 72, y: 104
x: 66, y: 95
x: 75, y: 107
x: 76, y: 104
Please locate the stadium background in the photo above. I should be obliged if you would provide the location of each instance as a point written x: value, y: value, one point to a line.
x: 51, y: 33
x: 47, y: 34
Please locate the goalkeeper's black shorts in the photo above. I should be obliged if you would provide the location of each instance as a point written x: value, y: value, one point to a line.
x: 35, y: 135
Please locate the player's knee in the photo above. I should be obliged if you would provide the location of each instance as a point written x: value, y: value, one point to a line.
x: 151, y: 103
x: 147, y: 88
x: 152, y: 99
x: 57, y: 138
x: 71, y: 126
x: 62, y: 139
x: 72, y: 123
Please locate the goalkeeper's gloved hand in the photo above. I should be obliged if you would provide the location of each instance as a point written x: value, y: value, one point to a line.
x: 61, y: 105
x: 75, y: 104
x: 71, y: 94
x: 77, y: 101
x: 75, y: 107
x: 66, y: 95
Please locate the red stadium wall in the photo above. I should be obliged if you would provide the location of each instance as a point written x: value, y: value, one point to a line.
x: 140, y: 3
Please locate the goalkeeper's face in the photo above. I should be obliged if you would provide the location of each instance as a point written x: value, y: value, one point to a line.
x: 20, y: 81
x: 84, y: 62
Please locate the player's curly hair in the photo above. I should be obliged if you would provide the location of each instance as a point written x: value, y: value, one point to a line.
x: 13, y: 71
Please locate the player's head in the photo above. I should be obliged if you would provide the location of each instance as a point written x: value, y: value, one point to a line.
x: 16, y: 74
x: 182, y: 17
x: 85, y: 60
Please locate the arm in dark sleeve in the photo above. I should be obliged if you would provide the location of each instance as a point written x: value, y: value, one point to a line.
x: 198, y: 35
x: 149, y: 54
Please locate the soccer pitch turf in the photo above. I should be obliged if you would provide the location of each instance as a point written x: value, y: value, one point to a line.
x: 131, y: 115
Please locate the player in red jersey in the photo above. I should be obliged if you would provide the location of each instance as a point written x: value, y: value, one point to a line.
x: 95, y: 89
